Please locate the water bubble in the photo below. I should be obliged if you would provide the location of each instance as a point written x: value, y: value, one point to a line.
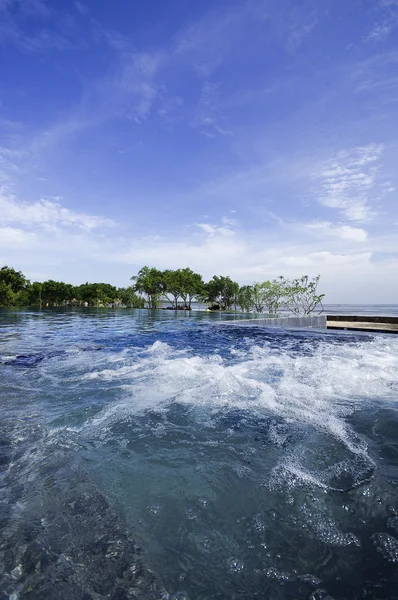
x: 17, y: 572
x: 320, y: 595
x: 280, y: 576
x: 234, y: 565
x: 190, y: 514
x: 180, y: 596
x: 392, y: 523
x: 387, y: 545
x: 258, y: 523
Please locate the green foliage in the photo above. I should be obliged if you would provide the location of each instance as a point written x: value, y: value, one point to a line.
x: 15, y: 279
x: 221, y: 292
x: 181, y: 284
x: 129, y: 298
x: 302, y: 296
x: 173, y: 285
x: 34, y: 294
x: 270, y: 295
x: 7, y: 296
x: 150, y: 283
x: 192, y: 285
x: 298, y: 296
x: 245, y: 298
x: 95, y: 294
x: 56, y: 293
x: 13, y: 285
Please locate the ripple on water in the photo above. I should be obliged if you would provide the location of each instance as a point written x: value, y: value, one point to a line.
x: 248, y: 463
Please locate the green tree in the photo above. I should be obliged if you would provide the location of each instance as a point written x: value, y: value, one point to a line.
x: 269, y: 294
x: 53, y: 293
x: 129, y: 298
x: 150, y: 283
x: 15, y: 279
x: 34, y: 294
x: 182, y: 284
x: 173, y: 286
x: 192, y: 286
x: 7, y: 296
x: 245, y: 298
x: 96, y: 294
x: 221, y: 292
x: 302, y: 296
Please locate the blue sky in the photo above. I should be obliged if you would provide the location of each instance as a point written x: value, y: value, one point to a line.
x: 248, y: 138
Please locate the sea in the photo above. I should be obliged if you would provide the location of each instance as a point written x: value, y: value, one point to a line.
x: 164, y: 455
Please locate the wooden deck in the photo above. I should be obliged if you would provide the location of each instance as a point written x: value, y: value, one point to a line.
x: 363, y: 323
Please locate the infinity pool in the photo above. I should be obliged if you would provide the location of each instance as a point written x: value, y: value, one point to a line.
x: 149, y: 455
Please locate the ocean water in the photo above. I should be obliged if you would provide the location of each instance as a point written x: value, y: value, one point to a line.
x: 148, y: 454
x: 329, y: 309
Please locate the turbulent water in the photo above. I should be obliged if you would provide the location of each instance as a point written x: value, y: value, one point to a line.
x: 148, y: 455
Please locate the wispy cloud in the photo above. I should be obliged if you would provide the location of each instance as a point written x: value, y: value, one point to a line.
x: 224, y: 230
x: 33, y: 26
x: 343, y: 232
x: 50, y: 235
x: 37, y: 8
x: 387, y: 22
x: 300, y: 22
x: 12, y: 237
x: 82, y: 8
x: 129, y: 91
x: 348, y: 182
x: 43, y: 40
x: 47, y: 213
x: 210, y: 121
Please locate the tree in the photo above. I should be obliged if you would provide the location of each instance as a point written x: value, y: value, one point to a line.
x: 129, y: 298
x: 182, y: 284
x: 245, y: 298
x: 259, y: 293
x: 15, y: 279
x: 192, y: 285
x: 150, y: 282
x: 34, y: 294
x: 221, y: 292
x: 302, y: 297
x: 270, y: 294
x: 96, y: 294
x: 7, y: 296
x: 299, y: 295
x: 173, y: 285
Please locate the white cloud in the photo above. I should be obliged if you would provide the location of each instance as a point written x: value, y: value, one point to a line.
x: 77, y: 253
x: 388, y: 21
x: 130, y: 90
x: 15, y: 238
x: 300, y: 23
x: 321, y: 260
x: 213, y: 230
x: 228, y: 222
x: 46, y: 213
x: 344, y: 232
x: 348, y: 182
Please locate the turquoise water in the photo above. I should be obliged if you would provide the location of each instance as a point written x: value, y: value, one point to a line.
x: 154, y: 455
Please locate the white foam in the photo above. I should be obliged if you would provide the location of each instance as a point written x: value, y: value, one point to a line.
x: 317, y: 388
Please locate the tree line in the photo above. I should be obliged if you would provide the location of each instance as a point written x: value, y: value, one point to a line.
x: 17, y: 290
x: 181, y: 286
x: 152, y: 287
